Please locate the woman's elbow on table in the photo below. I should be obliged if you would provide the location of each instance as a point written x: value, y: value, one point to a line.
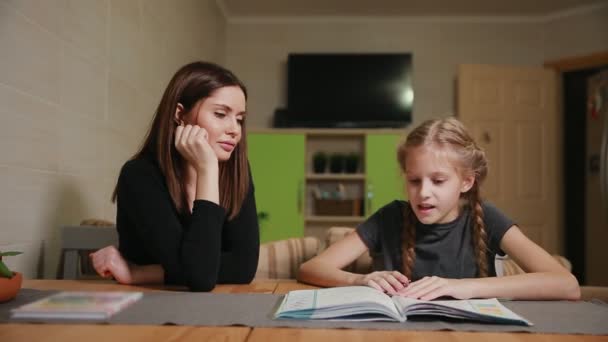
x: 202, y: 285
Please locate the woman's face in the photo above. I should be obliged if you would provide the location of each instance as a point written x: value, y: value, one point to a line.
x: 222, y: 115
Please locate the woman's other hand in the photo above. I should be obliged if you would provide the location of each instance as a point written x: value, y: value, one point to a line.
x: 108, y: 262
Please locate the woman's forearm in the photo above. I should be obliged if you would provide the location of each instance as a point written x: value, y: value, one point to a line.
x: 540, y: 285
x: 147, y: 274
x: 238, y: 267
x: 207, y: 184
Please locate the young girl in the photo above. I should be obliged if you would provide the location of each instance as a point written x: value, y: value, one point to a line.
x: 185, y: 207
x: 444, y: 240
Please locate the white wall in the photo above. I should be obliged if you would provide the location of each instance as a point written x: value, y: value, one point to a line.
x: 578, y: 34
x: 257, y: 49
x: 79, y: 81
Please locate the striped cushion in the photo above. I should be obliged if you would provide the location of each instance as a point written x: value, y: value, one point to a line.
x: 506, y: 266
x: 363, y: 264
x: 282, y: 259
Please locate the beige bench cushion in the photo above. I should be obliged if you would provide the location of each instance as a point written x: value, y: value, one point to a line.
x: 282, y: 259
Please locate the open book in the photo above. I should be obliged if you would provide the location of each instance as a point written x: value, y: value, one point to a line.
x: 361, y: 303
x: 87, y: 305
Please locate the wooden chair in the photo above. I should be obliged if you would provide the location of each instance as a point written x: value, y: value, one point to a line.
x: 78, y: 241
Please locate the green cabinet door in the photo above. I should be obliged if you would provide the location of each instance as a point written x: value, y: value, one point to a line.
x: 384, y: 180
x: 277, y: 165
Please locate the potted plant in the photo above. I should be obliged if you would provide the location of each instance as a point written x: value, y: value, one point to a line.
x: 351, y: 162
x: 319, y: 162
x: 336, y: 163
x: 10, y: 282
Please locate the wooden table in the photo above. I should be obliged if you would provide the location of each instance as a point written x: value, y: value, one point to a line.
x: 95, y: 332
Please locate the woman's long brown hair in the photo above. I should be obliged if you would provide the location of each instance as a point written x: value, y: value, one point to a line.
x: 191, y: 84
x: 450, y: 134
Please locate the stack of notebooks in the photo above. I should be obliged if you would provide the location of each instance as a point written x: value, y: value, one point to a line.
x: 71, y: 305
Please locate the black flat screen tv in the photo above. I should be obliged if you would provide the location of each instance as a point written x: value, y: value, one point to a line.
x: 349, y: 90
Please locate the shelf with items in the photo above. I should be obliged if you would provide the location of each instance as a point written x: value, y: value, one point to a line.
x: 285, y: 180
x: 335, y: 179
x: 335, y: 198
x: 329, y: 154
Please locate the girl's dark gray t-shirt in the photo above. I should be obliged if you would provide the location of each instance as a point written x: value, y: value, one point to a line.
x: 443, y: 250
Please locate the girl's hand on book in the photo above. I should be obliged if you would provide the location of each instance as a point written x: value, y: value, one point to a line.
x: 429, y: 288
x: 108, y: 262
x: 385, y: 281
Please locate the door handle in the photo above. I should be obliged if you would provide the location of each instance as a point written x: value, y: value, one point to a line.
x: 369, y: 196
x: 486, y: 138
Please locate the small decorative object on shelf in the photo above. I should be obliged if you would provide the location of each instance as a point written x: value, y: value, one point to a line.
x: 10, y: 282
x: 336, y: 163
x: 351, y: 162
x: 319, y: 162
x: 335, y: 202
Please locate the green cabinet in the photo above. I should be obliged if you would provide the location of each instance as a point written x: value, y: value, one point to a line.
x: 384, y: 182
x: 277, y: 164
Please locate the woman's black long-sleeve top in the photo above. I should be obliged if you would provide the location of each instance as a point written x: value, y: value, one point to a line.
x: 199, y: 249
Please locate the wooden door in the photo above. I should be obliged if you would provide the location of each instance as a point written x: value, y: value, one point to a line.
x: 513, y: 114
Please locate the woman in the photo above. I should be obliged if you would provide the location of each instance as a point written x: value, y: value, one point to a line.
x: 186, y: 212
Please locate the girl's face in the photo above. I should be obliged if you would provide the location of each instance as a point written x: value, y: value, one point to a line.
x: 434, y: 184
x: 222, y: 115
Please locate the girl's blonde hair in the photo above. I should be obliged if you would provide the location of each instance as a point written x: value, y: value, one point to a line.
x: 450, y: 135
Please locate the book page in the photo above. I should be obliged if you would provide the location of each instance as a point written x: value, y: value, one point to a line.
x: 475, y: 309
x: 336, y: 296
x: 336, y: 303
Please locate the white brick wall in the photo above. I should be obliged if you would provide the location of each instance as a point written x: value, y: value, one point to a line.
x: 79, y: 81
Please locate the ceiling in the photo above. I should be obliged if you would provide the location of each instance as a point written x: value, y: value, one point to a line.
x: 397, y: 8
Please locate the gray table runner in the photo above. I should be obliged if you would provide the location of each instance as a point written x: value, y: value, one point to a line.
x: 254, y: 310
